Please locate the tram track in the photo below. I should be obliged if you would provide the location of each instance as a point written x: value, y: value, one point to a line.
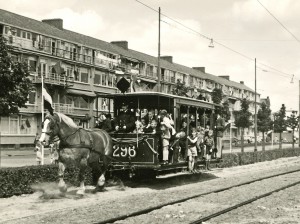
x: 213, y: 215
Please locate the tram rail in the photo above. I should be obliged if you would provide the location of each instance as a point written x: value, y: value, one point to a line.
x: 206, y: 218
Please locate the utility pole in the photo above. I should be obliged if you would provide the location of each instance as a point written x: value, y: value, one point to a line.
x: 158, y: 62
x: 299, y: 119
x: 42, y: 105
x: 255, y: 114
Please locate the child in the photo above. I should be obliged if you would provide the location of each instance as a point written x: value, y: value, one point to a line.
x: 200, y: 143
x: 165, y: 136
x: 209, y: 143
x: 192, y: 150
x: 152, y: 129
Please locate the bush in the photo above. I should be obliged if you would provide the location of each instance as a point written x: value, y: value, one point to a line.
x: 19, y: 180
x: 236, y: 159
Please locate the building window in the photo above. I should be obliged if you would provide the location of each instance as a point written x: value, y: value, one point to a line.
x: 84, y: 77
x: 32, y: 65
x: 80, y: 102
x: 31, y: 97
x: 97, y: 79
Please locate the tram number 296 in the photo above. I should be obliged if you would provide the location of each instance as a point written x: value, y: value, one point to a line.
x: 124, y: 151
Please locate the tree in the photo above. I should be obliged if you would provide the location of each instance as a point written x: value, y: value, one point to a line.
x: 264, y: 121
x: 217, y: 95
x: 293, y: 122
x: 15, y: 84
x: 242, y: 119
x: 180, y: 89
x: 280, y: 123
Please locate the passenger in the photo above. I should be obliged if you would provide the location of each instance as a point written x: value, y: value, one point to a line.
x: 149, y: 117
x: 167, y: 120
x: 182, y: 141
x: 165, y: 136
x: 139, y: 127
x: 106, y: 123
x: 153, y: 129
x: 192, y: 150
x: 125, y: 122
x: 206, y: 130
x: 99, y: 122
x: 200, y: 143
x: 209, y: 143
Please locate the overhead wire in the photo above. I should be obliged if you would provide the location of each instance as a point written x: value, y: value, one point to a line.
x: 283, y: 26
x: 283, y: 74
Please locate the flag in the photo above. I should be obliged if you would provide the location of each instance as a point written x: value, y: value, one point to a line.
x: 47, y: 101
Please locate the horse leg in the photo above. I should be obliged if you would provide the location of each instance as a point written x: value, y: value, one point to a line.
x: 61, y: 185
x: 101, y: 180
x: 83, y: 166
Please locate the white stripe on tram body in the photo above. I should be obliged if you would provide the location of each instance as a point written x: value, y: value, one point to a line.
x: 44, y: 130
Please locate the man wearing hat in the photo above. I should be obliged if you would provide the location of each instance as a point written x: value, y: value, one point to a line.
x: 125, y: 122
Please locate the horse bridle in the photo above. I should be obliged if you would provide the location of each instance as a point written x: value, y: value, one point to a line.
x: 49, y: 133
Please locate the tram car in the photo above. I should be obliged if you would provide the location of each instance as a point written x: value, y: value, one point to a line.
x: 137, y: 152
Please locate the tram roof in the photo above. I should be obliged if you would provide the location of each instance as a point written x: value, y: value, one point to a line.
x: 179, y: 99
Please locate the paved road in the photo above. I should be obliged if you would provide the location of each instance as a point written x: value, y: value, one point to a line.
x: 17, y: 158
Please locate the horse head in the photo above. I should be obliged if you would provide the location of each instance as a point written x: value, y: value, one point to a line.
x: 50, y: 128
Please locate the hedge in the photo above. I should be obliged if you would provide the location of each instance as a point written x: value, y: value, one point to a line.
x: 238, y: 159
x: 19, y: 180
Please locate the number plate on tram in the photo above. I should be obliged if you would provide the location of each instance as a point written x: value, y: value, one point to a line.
x: 122, y: 150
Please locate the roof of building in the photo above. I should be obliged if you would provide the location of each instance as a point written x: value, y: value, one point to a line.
x: 43, y: 28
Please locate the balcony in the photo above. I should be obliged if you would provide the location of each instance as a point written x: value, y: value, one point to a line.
x: 63, y: 108
x: 22, y: 43
x: 54, y: 79
x: 19, y: 42
x: 128, y: 68
x: 31, y: 108
x: 151, y: 74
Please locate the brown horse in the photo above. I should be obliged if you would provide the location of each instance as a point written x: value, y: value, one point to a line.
x: 79, y: 147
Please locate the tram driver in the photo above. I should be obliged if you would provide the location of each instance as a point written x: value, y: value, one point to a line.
x: 125, y: 122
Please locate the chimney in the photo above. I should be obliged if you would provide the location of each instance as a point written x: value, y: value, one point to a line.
x: 225, y: 76
x: 242, y: 82
x: 122, y: 44
x: 201, y: 69
x: 167, y: 58
x: 58, y: 23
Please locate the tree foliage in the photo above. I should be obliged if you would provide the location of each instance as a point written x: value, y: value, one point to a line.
x: 243, y: 119
x: 15, y: 84
x: 180, y: 89
x: 280, y: 123
x: 292, y: 121
x: 217, y: 95
x: 264, y: 121
x: 243, y: 116
x: 224, y: 111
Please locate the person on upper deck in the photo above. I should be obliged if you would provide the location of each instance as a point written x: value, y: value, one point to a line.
x: 125, y: 122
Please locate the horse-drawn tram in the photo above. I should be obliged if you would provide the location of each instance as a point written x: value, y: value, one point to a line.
x: 141, y: 122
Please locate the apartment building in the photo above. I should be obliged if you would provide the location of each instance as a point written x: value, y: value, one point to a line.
x: 78, y: 69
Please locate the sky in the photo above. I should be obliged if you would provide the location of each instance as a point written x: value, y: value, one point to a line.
x: 242, y: 30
